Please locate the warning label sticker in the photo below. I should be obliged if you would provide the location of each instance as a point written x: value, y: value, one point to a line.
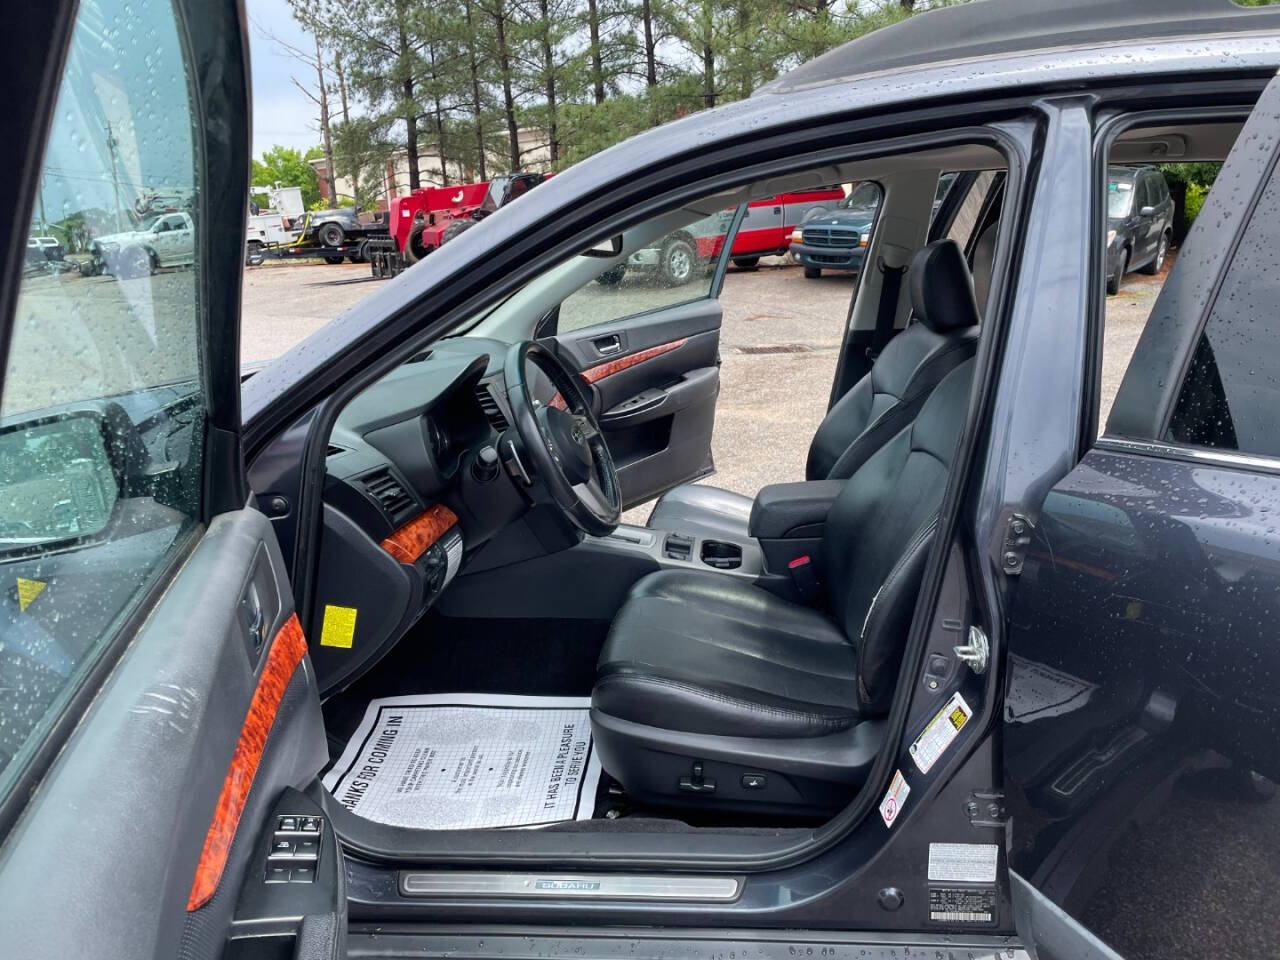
x: 963, y: 862
x: 894, y: 798
x: 941, y: 731
x: 28, y: 590
x: 339, y: 627
x: 962, y: 905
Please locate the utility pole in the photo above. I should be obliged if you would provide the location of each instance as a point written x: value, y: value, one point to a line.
x: 115, y: 180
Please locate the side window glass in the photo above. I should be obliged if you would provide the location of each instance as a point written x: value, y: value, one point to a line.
x: 678, y: 267
x: 1230, y: 396
x: 102, y: 409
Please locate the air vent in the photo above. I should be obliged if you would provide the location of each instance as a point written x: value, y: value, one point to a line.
x: 385, y: 489
x: 419, y: 357
x: 334, y: 450
x: 490, y: 407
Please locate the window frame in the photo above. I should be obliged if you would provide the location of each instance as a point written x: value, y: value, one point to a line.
x: 1106, y: 132
x: 209, y: 36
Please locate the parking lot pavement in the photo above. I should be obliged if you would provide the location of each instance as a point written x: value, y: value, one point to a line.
x: 779, y: 345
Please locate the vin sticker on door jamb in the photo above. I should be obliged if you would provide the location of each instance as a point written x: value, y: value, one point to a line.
x: 894, y: 798
x: 939, y: 734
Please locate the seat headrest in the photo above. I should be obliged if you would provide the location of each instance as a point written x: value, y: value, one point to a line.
x: 942, y: 288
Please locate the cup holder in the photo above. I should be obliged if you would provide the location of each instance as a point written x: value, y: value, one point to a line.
x: 721, y: 555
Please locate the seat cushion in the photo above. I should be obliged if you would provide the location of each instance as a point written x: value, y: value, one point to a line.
x: 706, y: 653
x: 702, y: 511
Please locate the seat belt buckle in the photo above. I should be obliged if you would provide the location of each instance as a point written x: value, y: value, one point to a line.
x: 803, y: 578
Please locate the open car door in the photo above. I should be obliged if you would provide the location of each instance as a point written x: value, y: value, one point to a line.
x: 646, y: 336
x: 158, y: 708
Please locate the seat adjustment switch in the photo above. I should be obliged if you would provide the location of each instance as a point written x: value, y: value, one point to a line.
x: 696, y: 782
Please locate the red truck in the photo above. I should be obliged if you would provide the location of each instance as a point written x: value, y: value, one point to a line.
x: 765, y: 231
x: 766, y: 228
x: 429, y: 216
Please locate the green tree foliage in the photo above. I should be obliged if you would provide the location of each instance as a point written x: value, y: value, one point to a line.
x: 478, y: 87
x: 289, y: 168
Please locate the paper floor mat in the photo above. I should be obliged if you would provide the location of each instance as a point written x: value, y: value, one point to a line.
x: 469, y: 761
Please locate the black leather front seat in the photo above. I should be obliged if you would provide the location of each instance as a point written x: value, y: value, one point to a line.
x: 911, y: 365
x: 713, y: 691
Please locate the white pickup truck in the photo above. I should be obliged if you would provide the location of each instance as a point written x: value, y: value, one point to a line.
x: 167, y: 240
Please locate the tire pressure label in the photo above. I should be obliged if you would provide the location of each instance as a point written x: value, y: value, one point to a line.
x: 962, y: 905
x: 939, y: 734
x: 894, y: 798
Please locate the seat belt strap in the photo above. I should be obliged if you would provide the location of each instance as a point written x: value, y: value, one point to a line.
x: 888, y: 308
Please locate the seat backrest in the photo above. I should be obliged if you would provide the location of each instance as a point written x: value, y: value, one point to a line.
x: 879, y: 531
x: 911, y: 365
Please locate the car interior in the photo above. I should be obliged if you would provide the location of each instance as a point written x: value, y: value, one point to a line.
x: 737, y: 662
x: 737, y: 654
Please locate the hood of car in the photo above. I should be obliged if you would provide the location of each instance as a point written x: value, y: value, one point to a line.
x: 129, y: 236
x: 842, y: 219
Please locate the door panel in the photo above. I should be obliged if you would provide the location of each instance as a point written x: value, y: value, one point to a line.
x: 152, y: 812
x: 655, y: 379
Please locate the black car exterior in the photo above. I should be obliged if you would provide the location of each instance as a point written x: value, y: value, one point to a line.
x: 1139, y: 222
x: 837, y: 239
x: 1124, y: 587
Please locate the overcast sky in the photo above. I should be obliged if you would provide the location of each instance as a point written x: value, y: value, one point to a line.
x: 281, y: 113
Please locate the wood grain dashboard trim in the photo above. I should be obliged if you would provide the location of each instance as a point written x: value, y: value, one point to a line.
x: 286, y: 652
x: 411, y: 541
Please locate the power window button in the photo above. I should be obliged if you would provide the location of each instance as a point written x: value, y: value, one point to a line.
x: 306, y: 849
x: 281, y: 847
x: 302, y: 875
x: 277, y: 873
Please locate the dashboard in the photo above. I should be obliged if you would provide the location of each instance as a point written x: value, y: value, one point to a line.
x: 410, y: 494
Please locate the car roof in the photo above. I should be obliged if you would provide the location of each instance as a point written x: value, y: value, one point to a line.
x: 997, y: 29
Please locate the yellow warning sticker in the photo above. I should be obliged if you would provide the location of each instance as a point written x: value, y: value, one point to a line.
x: 28, y: 590
x: 339, y: 627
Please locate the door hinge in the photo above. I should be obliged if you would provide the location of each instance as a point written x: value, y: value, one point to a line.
x: 985, y: 808
x: 1017, y: 537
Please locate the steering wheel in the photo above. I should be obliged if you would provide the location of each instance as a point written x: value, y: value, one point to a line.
x: 563, y: 441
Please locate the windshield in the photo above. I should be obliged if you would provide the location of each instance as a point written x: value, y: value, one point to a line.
x: 865, y: 196
x: 1119, y: 198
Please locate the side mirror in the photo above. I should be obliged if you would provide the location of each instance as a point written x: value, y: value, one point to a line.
x: 605, y: 248
x: 57, y: 480
x: 1147, y: 212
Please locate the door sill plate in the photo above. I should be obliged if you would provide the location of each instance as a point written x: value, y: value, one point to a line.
x: 579, y: 886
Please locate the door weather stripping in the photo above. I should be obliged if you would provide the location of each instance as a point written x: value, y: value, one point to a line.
x: 579, y: 886
x: 977, y: 652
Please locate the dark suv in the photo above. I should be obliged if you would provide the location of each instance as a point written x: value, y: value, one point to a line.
x: 837, y: 239
x: 1139, y: 222
x: 358, y: 657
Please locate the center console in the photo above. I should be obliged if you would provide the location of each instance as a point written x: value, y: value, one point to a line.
x: 678, y: 551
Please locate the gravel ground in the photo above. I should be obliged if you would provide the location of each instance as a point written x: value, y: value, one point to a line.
x: 770, y: 402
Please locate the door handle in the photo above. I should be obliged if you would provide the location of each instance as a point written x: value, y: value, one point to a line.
x: 607, y: 345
